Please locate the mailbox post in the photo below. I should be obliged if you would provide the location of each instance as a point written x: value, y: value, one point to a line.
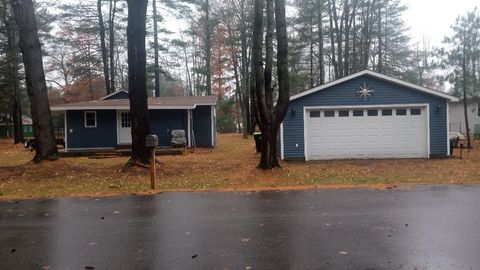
x: 151, y: 142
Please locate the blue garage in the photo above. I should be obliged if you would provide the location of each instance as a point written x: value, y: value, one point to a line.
x: 106, y: 123
x: 366, y: 115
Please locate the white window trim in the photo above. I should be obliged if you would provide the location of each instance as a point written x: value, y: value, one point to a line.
x: 85, y: 119
x: 306, y: 109
x: 122, y: 113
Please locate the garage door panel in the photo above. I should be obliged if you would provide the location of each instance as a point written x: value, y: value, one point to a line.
x: 367, y: 136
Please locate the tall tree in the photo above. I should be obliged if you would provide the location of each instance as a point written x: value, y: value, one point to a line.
x: 464, y: 85
x: 45, y: 144
x: 103, y: 46
x: 137, y: 84
x: 208, y: 45
x: 270, y: 115
x: 12, y: 63
x: 111, y: 37
x: 155, y: 48
x: 463, y: 59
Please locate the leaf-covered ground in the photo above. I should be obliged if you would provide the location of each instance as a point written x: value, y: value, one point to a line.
x: 231, y: 165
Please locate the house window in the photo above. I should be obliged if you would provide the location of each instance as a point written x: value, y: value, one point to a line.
x: 357, y: 112
x: 126, y: 120
x: 344, y: 113
x: 386, y: 112
x: 90, y: 119
x: 401, y: 111
x: 314, y: 113
x: 415, y: 112
x: 329, y: 113
x: 372, y: 112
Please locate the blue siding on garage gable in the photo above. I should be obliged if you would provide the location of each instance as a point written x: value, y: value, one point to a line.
x: 202, y: 126
x: 162, y: 122
x: 119, y: 95
x: 343, y: 94
x: 104, y: 135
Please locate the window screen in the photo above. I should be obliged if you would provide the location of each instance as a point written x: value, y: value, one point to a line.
x: 415, y: 111
x: 357, y: 112
x: 372, y: 112
x: 344, y: 113
x: 90, y: 119
x: 401, y: 111
x: 314, y: 113
x: 386, y: 112
x: 329, y: 113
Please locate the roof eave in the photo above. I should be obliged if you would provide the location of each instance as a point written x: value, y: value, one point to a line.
x: 77, y: 108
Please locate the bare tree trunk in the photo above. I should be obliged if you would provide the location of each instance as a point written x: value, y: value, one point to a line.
x: 253, y: 97
x: 137, y: 84
x: 208, y: 47
x: 187, y: 71
x: 281, y: 106
x: 380, y: 55
x: 45, y: 144
x: 465, y: 104
x: 13, y: 68
x: 312, y: 76
x: 321, y: 52
x: 264, y: 109
x: 17, y: 121
x: 332, y: 38
x: 244, y: 73
x: 111, y: 42
x: 155, y: 45
x: 270, y: 116
x: 348, y: 25
x: 103, y: 47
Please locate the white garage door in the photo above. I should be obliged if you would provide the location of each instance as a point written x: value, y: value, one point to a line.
x: 367, y: 133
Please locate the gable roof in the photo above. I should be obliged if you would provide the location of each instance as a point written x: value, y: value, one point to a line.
x: 378, y: 76
x: 153, y: 103
x: 114, y: 94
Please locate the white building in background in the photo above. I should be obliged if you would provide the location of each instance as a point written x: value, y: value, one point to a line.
x: 457, y: 117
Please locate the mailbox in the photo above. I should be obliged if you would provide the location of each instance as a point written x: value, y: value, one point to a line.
x: 151, y: 140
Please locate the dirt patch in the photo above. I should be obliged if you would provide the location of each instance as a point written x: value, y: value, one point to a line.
x: 229, y: 166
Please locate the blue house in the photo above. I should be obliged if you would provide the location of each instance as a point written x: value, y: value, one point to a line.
x: 366, y: 115
x: 106, y: 123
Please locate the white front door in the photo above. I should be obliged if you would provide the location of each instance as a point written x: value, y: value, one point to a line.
x: 398, y: 132
x: 124, y: 127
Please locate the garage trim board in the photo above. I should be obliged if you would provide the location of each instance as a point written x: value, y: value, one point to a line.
x: 425, y: 114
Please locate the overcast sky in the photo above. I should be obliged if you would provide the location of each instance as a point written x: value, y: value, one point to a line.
x: 432, y: 18
x: 425, y: 18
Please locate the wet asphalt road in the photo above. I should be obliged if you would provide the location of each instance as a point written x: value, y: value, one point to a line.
x: 417, y: 228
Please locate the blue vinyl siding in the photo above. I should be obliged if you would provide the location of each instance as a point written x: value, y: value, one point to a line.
x: 162, y: 122
x: 104, y: 135
x: 343, y: 94
x: 202, y: 126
